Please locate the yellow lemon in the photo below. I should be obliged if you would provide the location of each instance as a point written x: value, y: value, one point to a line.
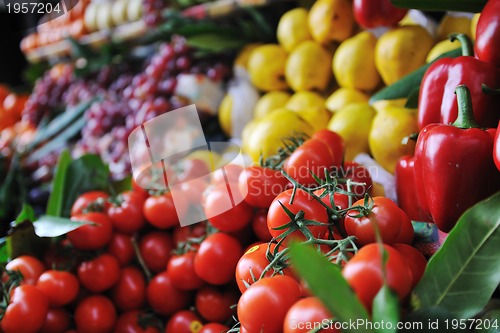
x: 308, y: 67
x: 266, y: 67
x: 210, y: 158
x: 442, y: 47
x: 453, y: 24
x: 244, y: 55
x: 270, y: 102
x: 331, y: 21
x: 316, y: 117
x: 473, y: 25
x: 225, y: 109
x: 291, y: 29
x: 344, y: 96
x: 385, y: 103
x: 305, y: 100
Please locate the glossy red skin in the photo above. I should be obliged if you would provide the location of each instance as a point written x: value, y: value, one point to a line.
x: 231, y: 174
x: 488, y: 34
x: 155, y: 248
x: 182, y: 234
x: 91, y: 236
x: 180, y: 269
x: 127, y: 216
x: 56, y: 321
x: 164, y: 298
x: 161, y: 212
x: 437, y: 101
x: 496, y: 149
x: 60, y: 287
x: 95, y: 314
x: 376, y: 13
x: 406, y: 191
x: 213, y: 328
x: 259, y: 226
x: 364, y: 273
x: 128, y: 323
x: 129, y: 292
x: 184, y: 322
x: 261, y: 185
x: 415, y: 260
x: 216, y: 258
x: 85, y: 199
x: 214, y: 304
x: 100, y: 273
x: 263, y: 307
x: 334, y: 142
x: 307, y: 311
x: 30, y: 267
x: 121, y: 247
x: 26, y: 311
x: 454, y: 177
x: 359, y: 174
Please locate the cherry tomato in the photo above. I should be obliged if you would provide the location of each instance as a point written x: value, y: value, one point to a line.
x: 155, y: 248
x: 91, y: 236
x: 364, y: 273
x: 180, y: 269
x: 334, y: 141
x: 312, y: 209
x: 215, y: 304
x: 305, y: 313
x: 164, y: 298
x: 216, y: 258
x: 56, y: 321
x: 126, y: 213
x: 214, y: 328
x: 60, y: 287
x: 225, y: 209
x: 190, y: 168
x: 194, y: 190
x: 358, y: 174
x: 263, y: 307
x: 376, y: 13
x: 121, y: 247
x: 128, y: 322
x: 182, y: 234
x: 100, y: 273
x: 259, y: 186
x: 162, y: 212
x: 95, y: 314
x: 340, y: 200
x: 184, y: 322
x: 415, y: 260
x: 393, y: 223
x: 30, y: 267
x: 259, y: 226
x: 27, y: 310
x: 90, y: 200
x: 129, y: 292
x: 230, y: 173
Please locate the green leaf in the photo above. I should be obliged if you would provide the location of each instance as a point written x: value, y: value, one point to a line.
x: 464, y: 273
x: 429, y: 320
x: 472, y: 6
x: 27, y: 214
x: 22, y: 240
x: 386, y: 309
x: 215, y: 42
x: 404, y: 87
x: 55, y: 204
x: 412, y: 102
x: 4, y: 254
x: 326, y: 281
x: 51, y: 226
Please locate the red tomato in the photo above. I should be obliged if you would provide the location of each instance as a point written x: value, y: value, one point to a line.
x: 184, y: 322
x: 259, y: 186
x: 60, y: 287
x: 26, y: 311
x: 393, y: 223
x: 415, y: 260
x: 164, y: 298
x: 128, y: 322
x: 95, y: 314
x: 180, y: 269
x: 341, y: 201
x: 216, y: 258
x: 376, y: 13
x: 214, y: 328
x: 162, y: 212
x: 334, y: 142
x: 364, y: 273
x: 100, y: 273
x: 306, y: 313
x: 312, y: 209
x: 30, y: 268
x: 155, y: 248
x: 194, y: 190
x: 259, y: 226
x: 182, y: 234
x: 359, y: 174
x: 226, y: 210
x: 126, y: 213
x: 230, y: 173
x: 89, y: 201
x: 129, y: 292
x: 121, y: 247
x: 263, y: 307
x: 91, y: 236
x: 190, y: 168
x: 56, y: 321
x: 215, y: 304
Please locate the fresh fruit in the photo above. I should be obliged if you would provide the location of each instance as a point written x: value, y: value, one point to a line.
x: 344, y: 96
x: 266, y: 67
x: 290, y: 31
x: 269, y: 102
x: 331, y: 21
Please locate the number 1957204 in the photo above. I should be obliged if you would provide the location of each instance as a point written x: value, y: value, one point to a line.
x: 33, y: 8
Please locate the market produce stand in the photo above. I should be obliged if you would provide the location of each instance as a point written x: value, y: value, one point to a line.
x: 254, y: 166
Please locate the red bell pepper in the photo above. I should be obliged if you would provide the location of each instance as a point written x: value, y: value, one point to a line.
x: 454, y: 164
x: 376, y: 13
x: 408, y: 198
x: 487, y: 45
x: 496, y: 149
x: 437, y: 102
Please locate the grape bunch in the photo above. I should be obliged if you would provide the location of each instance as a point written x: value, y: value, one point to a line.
x: 152, y: 11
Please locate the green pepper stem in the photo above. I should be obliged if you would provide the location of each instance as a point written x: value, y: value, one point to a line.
x: 465, y: 42
x: 465, y: 118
